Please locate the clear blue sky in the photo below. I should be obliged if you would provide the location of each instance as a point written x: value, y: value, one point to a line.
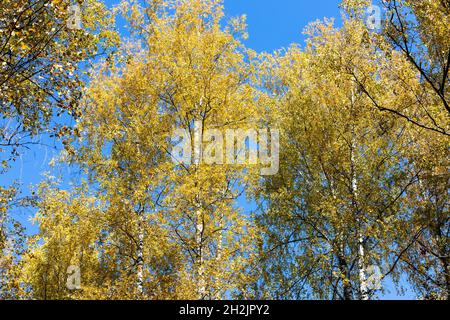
x: 275, y: 24
x: 272, y: 24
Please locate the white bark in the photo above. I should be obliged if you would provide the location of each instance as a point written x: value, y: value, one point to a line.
x: 140, y: 247
x: 363, y: 287
x: 361, y: 252
x: 140, y: 256
x: 219, y: 256
x: 199, y: 222
x: 201, y: 283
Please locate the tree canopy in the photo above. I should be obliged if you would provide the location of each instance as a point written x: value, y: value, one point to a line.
x: 357, y: 122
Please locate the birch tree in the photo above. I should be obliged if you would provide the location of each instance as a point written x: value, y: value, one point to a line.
x: 328, y: 213
x: 40, y: 81
x: 162, y: 221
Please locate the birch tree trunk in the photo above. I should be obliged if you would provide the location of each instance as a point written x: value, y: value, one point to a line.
x: 364, y: 295
x: 218, y: 295
x: 199, y: 219
x: 140, y: 247
x: 361, y: 252
x: 201, y: 283
x: 140, y: 256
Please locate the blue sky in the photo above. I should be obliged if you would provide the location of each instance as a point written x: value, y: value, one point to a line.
x: 272, y: 24
x: 276, y: 24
